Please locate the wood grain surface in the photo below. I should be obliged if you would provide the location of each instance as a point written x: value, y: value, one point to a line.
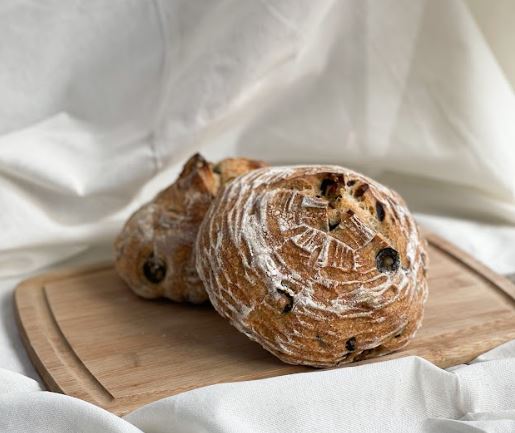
x: 90, y: 337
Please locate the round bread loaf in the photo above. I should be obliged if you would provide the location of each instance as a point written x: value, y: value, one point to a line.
x: 154, y: 251
x: 318, y: 264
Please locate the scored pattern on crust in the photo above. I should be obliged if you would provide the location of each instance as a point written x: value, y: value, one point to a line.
x: 303, y: 286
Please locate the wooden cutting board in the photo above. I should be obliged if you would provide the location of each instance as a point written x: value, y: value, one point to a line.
x: 91, y: 338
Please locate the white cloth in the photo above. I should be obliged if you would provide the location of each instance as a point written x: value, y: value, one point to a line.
x: 405, y: 395
x: 100, y: 103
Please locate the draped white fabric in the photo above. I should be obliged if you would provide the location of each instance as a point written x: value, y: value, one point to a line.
x: 101, y: 102
x: 404, y: 395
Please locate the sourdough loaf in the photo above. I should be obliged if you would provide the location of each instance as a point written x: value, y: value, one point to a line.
x: 154, y: 253
x: 318, y: 264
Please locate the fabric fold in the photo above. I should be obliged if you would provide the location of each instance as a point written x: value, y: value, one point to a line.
x: 401, y: 395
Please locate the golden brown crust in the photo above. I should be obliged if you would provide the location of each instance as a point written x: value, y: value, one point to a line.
x: 154, y: 251
x: 319, y: 264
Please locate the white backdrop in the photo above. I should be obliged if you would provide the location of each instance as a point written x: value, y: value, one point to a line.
x: 97, y: 98
x: 101, y: 102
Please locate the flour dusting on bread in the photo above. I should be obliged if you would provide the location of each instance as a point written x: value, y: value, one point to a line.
x: 318, y: 264
x: 155, y: 250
